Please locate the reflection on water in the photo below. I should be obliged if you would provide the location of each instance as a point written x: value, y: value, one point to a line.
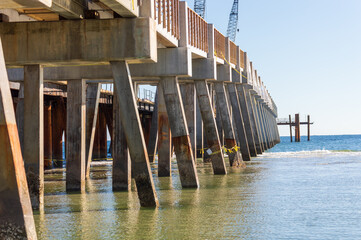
x: 297, y: 196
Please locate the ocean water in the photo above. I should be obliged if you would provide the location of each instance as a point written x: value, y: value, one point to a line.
x: 307, y: 190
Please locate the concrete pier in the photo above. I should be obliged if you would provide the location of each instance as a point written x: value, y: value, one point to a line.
x: 72, y: 50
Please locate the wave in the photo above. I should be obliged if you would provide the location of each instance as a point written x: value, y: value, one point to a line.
x: 313, y: 153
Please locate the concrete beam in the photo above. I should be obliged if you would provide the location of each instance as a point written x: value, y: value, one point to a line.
x: 125, y: 8
x: 129, y: 116
x: 79, y: 42
x: 16, y: 4
x: 16, y: 215
x: 203, y: 69
x: 171, y: 62
x: 180, y: 134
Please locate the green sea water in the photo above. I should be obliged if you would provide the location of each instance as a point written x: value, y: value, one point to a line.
x: 280, y: 195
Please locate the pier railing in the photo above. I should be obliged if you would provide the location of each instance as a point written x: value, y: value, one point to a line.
x: 241, y: 57
x: 166, y: 13
x: 233, y: 52
x: 197, y: 31
x: 219, y: 44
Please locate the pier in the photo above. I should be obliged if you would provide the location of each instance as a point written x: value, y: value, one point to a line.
x: 55, y: 59
x: 296, y: 122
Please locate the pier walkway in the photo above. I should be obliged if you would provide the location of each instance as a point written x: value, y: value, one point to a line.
x: 210, y: 99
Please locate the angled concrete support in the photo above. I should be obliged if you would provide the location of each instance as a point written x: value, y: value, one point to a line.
x: 234, y: 155
x: 238, y: 118
x: 253, y: 121
x: 180, y: 135
x: 247, y: 120
x: 20, y: 116
x: 129, y: 116
x: 34, y: 132
x: 264, y: 125
x: 75, y: 138
x: 164, y: 138
x: 153, y: 133
x: 121, y: 160
x: 189, y: 103
x: 257, y: 122
x: 92, y: 107
x: 261, y: 129
x: 211, y: 132
x: 16, y: 215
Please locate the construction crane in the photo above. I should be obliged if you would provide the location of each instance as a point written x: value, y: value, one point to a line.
x: 233, y: 22
x: 200, y: 7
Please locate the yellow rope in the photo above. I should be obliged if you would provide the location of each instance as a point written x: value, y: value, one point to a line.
x: 215, y: 53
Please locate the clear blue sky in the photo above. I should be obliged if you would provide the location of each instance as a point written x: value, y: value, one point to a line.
x: 308, y: 53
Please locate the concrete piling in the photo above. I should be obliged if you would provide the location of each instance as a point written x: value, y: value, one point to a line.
x: 238, y: 118
x: 132, y: 128
x: 214, y: 148
x: 164, y: 138
x: 121, y: 159
x: 75, y: 138
x: 34, y: 132
x: 180, y: 135
x: 235, y: 158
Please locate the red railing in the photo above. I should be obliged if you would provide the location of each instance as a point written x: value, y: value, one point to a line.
x: 197, y: 31
x: 167, y: 15
x: 219, y: 44
x: 241, y: 56
x: 233, y: 52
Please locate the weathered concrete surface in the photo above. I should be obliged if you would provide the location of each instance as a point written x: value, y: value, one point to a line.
x: 247, y: 120
x: 216, y: 154
x: 16, y: 215
x: 125, y: 8
x: 20, y: 115
x: 153, y: 132
x: 203, y: 69
x: 75, y: 138
x: 252, y: 115
x: 170, y: 62
x: 189, y: 103
x: 92, y: 107
x: 237, y: 115
x: 79, y: 42
x: 235, y: 158
x: 34, y: 133
x: 256, y: 121
x: 16, y: 4
x: 180, y: 135
x: 129, y: 116
x: 121, y: 159
x: 164, y: 138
